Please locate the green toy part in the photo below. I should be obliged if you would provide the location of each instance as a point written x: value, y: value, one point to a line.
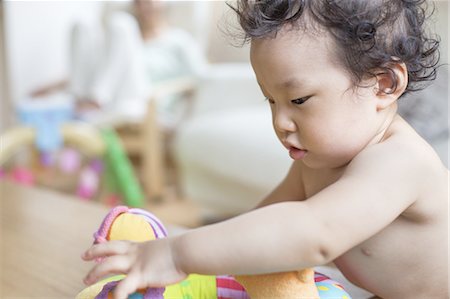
x: 119, y: 171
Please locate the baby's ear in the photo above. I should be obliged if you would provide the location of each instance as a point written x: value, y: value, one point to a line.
x: 391, y: 83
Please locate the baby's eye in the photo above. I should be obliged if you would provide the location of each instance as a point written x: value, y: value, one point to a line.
x: 270, y: 100
x: 300, y: 100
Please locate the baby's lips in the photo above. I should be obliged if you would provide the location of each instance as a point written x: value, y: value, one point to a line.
x: 297, y: 154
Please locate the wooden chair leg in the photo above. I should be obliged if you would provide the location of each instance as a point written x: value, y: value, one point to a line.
x: 153, y: 155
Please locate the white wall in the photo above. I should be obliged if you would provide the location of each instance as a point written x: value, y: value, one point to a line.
x: 440, y: 26
x: 4, y: 91
x: 37, y: 40
x: 37, y: 36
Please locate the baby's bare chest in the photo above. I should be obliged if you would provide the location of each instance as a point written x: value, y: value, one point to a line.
x: 404, y: 260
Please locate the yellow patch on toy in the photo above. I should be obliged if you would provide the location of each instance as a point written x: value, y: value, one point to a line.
x: 131, y: 227
x: 295, y: 284
x: 93, y: 290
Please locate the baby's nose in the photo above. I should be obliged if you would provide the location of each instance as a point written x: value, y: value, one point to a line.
x: 284, y: 123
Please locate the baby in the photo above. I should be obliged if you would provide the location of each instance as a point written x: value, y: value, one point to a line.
x: 365, y: 191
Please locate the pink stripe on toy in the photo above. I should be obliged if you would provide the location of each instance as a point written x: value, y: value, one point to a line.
x: 224, y: 293
x: 157, y: 226
x: 319, y: 277
x: 102, y: 233
x: 229, y: 288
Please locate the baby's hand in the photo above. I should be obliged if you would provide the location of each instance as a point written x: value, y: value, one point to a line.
x: 147, y: 264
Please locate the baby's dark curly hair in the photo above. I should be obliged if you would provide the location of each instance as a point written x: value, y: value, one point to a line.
x: 370, y: 35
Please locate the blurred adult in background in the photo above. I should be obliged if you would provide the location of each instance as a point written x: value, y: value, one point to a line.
x: 115, y: 65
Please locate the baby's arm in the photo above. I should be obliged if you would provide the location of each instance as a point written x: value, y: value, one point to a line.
x: 376, y: 188
x: 290, y: 189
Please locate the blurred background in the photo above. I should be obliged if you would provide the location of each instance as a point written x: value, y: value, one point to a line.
x: 173, y: 101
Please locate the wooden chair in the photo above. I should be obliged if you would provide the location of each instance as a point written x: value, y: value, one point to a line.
x: 150, y: 142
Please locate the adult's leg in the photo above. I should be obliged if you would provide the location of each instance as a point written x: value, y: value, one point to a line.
x: 84, y: 48
x: 119, y: 80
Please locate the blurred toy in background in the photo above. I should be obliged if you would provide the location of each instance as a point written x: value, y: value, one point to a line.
x: 69, y: 161
x: 89, y: 182
x: 52, y: 164
x: 120, y: 178
x: 19, y: 170
x: 46, y: 118
x: 22, y: 176
x: 72, y: 157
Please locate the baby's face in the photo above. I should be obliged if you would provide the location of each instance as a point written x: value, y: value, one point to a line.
x: 316, y: 114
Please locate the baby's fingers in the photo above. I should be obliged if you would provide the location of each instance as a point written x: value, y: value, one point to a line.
x: 117, y: 264
x: 106, y: 249
x: 127, y: 286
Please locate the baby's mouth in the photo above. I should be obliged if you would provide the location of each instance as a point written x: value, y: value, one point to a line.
x: 297, y: 153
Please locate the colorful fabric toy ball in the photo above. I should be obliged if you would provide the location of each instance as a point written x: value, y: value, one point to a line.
x: 123, y: 223
x: 329, y: 288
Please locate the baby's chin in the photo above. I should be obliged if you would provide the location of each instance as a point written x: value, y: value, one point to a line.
x: 326, y: 161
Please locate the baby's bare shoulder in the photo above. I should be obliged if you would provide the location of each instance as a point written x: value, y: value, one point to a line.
x: 406, y: 166
x: 409, y: 162
x: 405, y: 151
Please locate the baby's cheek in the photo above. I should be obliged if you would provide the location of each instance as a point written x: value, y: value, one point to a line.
x: 334, y: 147
x: 324, y: 140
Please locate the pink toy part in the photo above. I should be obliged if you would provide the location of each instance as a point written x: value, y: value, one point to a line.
x: 102, y: 232
x: 47, y: 159
x: 97, y: 166
x: 89, y: 183
x: 112, y: 200
x: 69, y: 160
x: 22, y: 176
x: 228, y: 287
x: 2, y: 173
